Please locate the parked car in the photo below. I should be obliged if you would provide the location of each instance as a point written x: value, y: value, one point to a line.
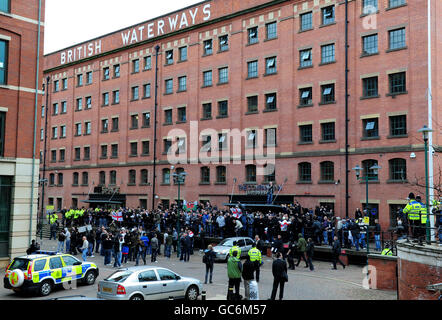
x: 41, y: 271
x: 148, y: 283
x: 223, y: 248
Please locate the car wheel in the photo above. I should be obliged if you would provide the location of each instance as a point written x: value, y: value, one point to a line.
x: 192, y: 293
x: 89, y: 278
x: 45, y: 288
x: 137, y: 297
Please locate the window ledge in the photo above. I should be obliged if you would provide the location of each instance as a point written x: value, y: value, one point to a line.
x: 181, y: 61
x: 222, y: 117
x: 204, y: 183
x: 326, y: 182
x: 167, y: 124
x: 207, y: 86
x: 369, y: 97
x: 254, y: 77
x: 222, y: 83
x: 252, y: 112
x: 304, y: 182
x: 396, y: 7
x: 144, y: 184
x: 208, y: 118
x: 252, y: 44
x: 397, y: 49
x: 362, y: 181
x: 399, y: 136
x: 270, y: 74
x: 269, y: 110
x: 180, y: 122
x: 220, y: 183
x: 370, y: 138
x: 182, y: 90
x: 207, y: 55
x: 250, y: 182
x: 131, y: 184
x: 144, y: 127
x: 305, y: 142
x: 397, y: 181
x: 145, y: 97
x: 327, y: 141
x: 327, y: 63
x: 305, y: 30
x: 306, y: 67
x: 167, y: 93
x: 364, y: 55
x: 221, y: 51
x: 368, y: 14
x: 326, y: 103
x: 305, y: 105
x: 393, y: 95
x: 328, y: 24
x: 270, y: 39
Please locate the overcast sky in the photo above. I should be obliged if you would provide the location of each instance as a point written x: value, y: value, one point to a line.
x: 70, y: 22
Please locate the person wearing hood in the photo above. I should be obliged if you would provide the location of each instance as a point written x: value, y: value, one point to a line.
x: 302, y: 246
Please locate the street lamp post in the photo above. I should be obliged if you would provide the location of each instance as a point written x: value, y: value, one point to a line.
x: 358, y: 171
x: 178, y: 178
x: 425, y: 133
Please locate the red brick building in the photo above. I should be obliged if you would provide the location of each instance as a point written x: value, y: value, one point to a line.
x: 21, y: 53
x: 271, y: 70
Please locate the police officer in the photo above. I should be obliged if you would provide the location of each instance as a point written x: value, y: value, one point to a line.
x: 387, y: 251
x: 256, y: 258
x: 413, y: 209
x: 234, y: 248
x: 423, y: 220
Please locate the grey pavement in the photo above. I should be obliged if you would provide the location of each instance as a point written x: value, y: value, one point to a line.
x: 321, y: 284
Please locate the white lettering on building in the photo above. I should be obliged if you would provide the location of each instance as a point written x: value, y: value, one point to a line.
x: 81, y: 52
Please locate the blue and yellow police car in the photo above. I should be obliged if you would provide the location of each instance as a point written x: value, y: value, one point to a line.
x: 42, y: 270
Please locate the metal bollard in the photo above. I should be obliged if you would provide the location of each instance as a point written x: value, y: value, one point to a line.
x: 203, y: 295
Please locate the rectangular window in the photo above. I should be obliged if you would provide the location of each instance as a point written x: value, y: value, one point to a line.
x: 182, y: 114
x: 398, y: 125
x: 270, y: 101
x: 306, y: 21
x: 305, y: 96
x: 88, y: 102
x: 87, y: 128
x: 78, y: 129
x: 146, y: 148
x: 104, y: 151
x: 271, y: 65
x: 135, y: 94
x: 4, y: 6
x: 305, y: 58
x: 55, y: 109
x: 146, y: 119
x: 270, y: 136
x: 146, y: 90
x: 370, y: 44
x: 306, y: 133
x: 271, y: 31
x: 168, y: 116
x: 116, y: 71
x: 133, y: 149
x: 56, y: 86
x: 64, y: 83
x: 115, y: 124
x: 62, y: 155
x: 77, y: 154
x: 169, y: 57
x: 79, y: 80
x: 252, y: 35
x: 252, y: 104
x: 114, y: 150
x: 147, y: 63
x: 86, y: 153
x: 207, y: 111
x: 397, y: 83
x: 328, y: 93
x: 328, y: 53
x: 397, y: 39
x: 89, y: 77
x: 183, y: 53
x: 370, y: 87
x: 252, y: 139
x: 370, y: 128
x: 106, y: 99
x: 208, y: 47
x: 252, y: 69
x: 104, y: 125
x: 63, y: 131
x: 223, y: 75
x: 134, y: 121
x: 42, y: 134
x: 106, y: 73
x: 54, y: 133
x: 182, y: 83
x: 207, y: 78
x: 181, y: 145
x: 328, y: 131
x: 167, y: 145
x: 116, y: 96
x: 136, y: 66
x: 223, y: 109
x: 206, y: 143
x: 224, y: 43
x: 168, y: 86
x: 328, y: 15
x: 64, y: 106
x: 222, y: 141
x: 79, y: 104
x: 369, y: 6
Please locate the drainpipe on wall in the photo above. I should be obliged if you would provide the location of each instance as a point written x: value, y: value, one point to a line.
x: 347, y: 196
x: 35, y: 122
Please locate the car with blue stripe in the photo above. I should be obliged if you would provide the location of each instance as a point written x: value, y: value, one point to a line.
x: 41, y: 271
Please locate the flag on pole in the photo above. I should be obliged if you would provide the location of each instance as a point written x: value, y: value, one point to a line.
x: 236, y: 212
x: 190, y: 206
x: 118, y: 216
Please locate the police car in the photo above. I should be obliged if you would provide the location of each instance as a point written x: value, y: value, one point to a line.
x: 42, y: 270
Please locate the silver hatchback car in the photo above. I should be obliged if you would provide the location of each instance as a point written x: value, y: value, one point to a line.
x: 223, y: 248
x: 148, y: 283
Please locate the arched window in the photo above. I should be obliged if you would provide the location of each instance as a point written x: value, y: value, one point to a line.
x: 75, y: 179
x: 166, y: 176
x: 205, y: 175
x: 102, y: 178
x: 251, y: 173
x: 305, y: 172
x: 372, y: 174
x: 85, y: 178
x: 398, y: 169
x: 327, y: 171
x: 51, y: 179
x: 113, y: 177
x: 269, y: 173
x: 60, y: 179
x: 221, y: 174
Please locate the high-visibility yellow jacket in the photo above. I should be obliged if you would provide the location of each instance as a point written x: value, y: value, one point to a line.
x: 424, y: 214
x: 387, y: 252
x: 234, y: 248
x: 255, y: 255
x: 413, y: 209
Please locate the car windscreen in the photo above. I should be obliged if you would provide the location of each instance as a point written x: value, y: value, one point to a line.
x: 226, y: 243
x: 19, y: 263
x: 119, y: 276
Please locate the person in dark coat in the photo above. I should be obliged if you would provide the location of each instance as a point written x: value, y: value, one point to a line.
x: 310, y: 250
x: 336, y: 253
x: 209, y: 260
x: 248, y: 274
x: 279, y: 271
